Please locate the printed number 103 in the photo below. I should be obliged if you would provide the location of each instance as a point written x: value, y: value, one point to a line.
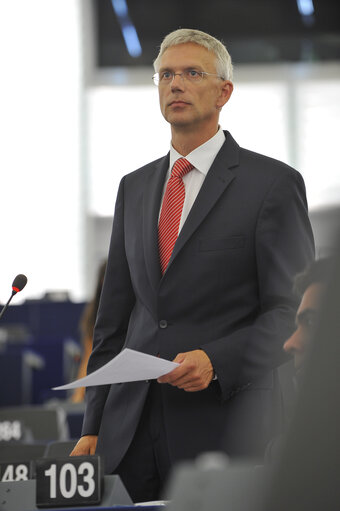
x: 68, y: 480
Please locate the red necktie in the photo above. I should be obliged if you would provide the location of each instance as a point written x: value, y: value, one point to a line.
x: 172, y: 211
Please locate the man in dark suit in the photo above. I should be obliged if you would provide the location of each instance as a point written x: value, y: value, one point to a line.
x: 219, y: 302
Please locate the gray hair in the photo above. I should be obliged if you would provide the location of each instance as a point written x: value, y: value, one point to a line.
x: 224, y: 67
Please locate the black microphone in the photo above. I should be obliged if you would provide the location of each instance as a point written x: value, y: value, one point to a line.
x: 18, y: 284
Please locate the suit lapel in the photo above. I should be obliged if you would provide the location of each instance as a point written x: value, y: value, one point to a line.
x: 217, y: 180
x: 151, y: 205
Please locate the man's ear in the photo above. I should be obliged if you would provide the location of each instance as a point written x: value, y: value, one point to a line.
x: 225, y: 93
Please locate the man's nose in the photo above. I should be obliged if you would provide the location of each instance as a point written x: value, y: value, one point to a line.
x: 293, y: 344
x: 177, y: 81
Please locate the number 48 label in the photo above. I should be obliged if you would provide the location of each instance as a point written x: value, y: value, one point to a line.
x: 68, y: 481
x: 14, y: 472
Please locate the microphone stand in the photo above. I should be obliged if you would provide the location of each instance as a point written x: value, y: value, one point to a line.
x: 7, y: 304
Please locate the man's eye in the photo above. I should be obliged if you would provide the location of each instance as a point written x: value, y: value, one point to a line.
x: 193, y: 73
x: 166, y: 75
x: 311, y: 323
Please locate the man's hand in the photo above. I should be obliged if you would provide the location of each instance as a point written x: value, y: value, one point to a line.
x: 194, y: 373
x: 85, y: 446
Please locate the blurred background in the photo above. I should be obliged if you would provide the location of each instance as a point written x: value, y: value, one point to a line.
x: 76, y: 87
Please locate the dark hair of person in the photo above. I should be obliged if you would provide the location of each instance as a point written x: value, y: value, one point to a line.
x: 90, y: 313
x: 316, y: 272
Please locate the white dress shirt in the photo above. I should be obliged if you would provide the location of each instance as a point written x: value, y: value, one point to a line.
x: 201, y: 158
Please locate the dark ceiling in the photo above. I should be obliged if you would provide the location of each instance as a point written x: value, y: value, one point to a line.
x: 254, y: 31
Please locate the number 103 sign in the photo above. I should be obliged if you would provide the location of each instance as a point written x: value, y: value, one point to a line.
x: 68, y: 481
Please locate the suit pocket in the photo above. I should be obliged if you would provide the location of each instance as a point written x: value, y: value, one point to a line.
x: 230, y: 243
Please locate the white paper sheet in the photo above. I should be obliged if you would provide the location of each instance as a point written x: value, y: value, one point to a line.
x: 129, y: 365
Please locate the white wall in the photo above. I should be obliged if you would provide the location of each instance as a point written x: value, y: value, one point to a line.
x: 289, y: 112
x: 40, y: 123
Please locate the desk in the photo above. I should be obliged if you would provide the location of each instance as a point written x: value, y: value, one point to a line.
x: 21, y: 496
x: 115, y: 508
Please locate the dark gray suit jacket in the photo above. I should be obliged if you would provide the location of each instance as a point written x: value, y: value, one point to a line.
x: 227, y: 290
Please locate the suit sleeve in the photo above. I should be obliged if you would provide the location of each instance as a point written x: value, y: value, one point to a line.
x: 115, y: 306
x: 284, y: 246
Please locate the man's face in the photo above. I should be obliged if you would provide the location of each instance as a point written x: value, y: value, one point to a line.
x: 306, y: 318
x: 186, y: 104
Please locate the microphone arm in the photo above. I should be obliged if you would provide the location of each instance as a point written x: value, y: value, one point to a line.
x: 7, y: 304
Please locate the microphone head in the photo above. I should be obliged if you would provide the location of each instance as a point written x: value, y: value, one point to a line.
x: 19, y: 283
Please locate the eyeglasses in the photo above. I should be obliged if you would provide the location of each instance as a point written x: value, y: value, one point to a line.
x: 192, y: 75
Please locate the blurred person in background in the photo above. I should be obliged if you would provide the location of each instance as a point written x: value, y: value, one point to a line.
x: 310, y: 286
x: 87, y: 323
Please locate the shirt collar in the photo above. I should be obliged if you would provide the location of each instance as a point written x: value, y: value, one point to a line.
x: 203, y: 156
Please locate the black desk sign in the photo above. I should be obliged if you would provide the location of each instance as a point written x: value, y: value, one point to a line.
x: 18, y: 471
x: 69, y: 481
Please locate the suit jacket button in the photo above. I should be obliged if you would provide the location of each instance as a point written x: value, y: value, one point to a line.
x: 163, y: 323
